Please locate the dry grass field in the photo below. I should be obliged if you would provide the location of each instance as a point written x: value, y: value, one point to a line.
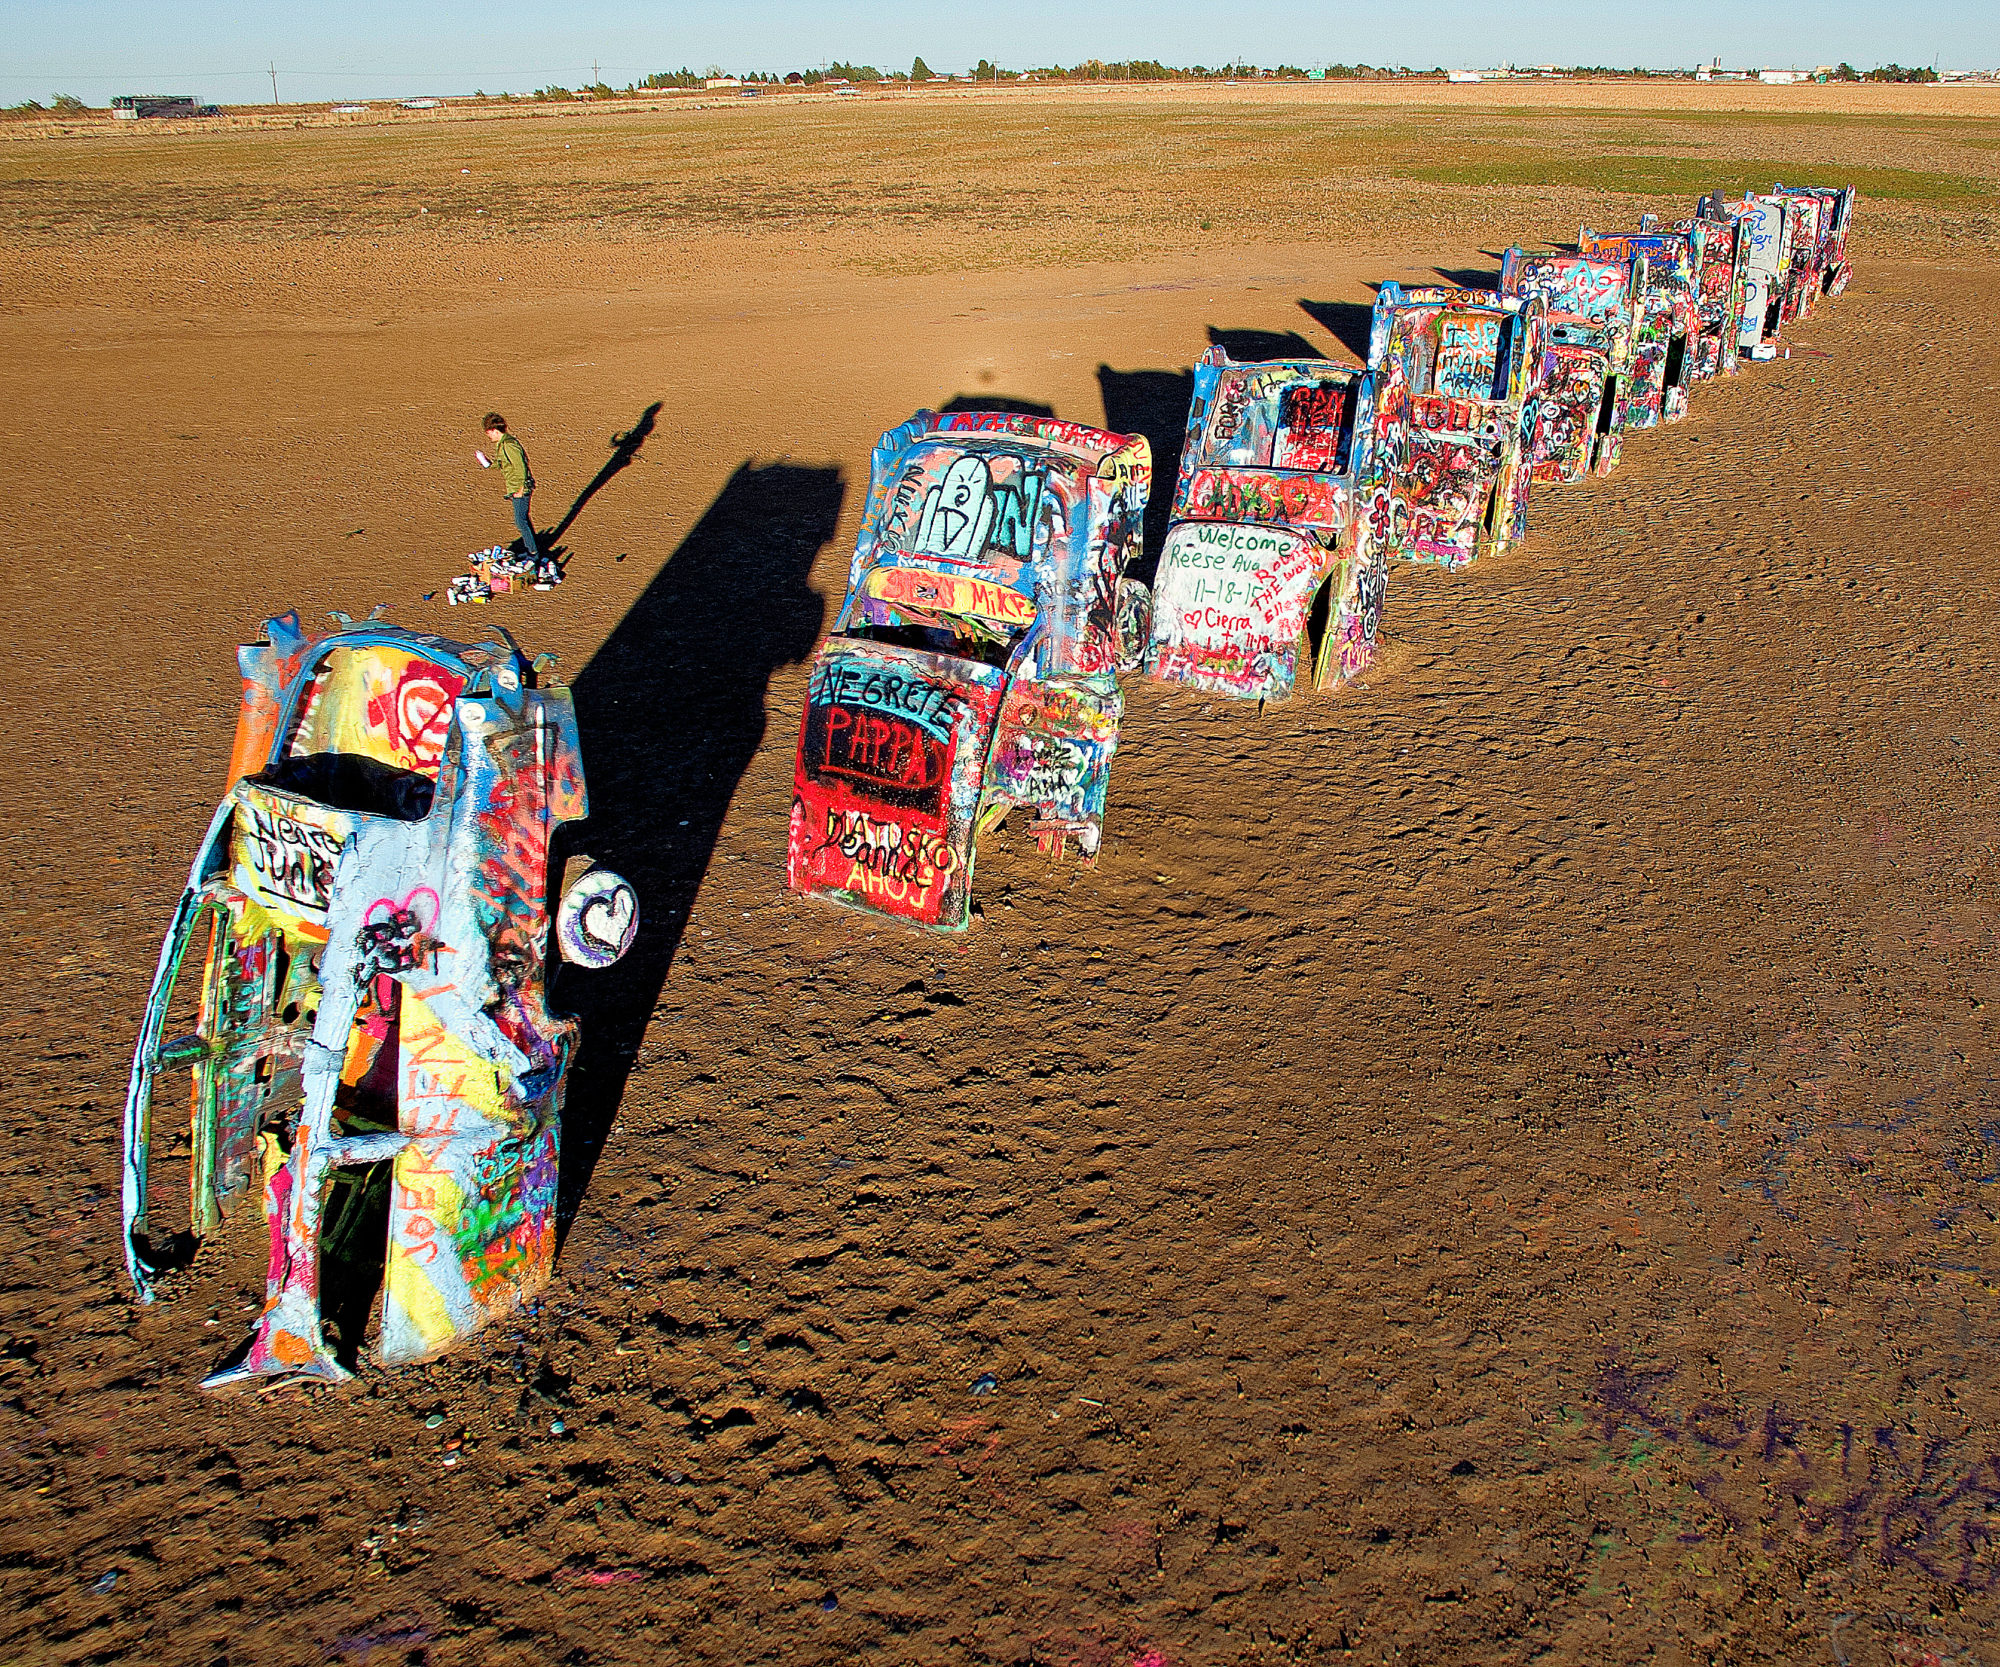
x: 1491, y: 1166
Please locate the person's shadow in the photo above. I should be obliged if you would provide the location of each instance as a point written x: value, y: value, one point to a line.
x: 670, y: 712
x: 624, y: 449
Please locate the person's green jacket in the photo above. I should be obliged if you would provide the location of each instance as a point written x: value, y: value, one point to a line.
x: 512, y: 457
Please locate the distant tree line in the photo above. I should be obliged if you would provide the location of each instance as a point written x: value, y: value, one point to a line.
x: 1887, y: 72
x: 1091, y: 69
x: 63, y: 104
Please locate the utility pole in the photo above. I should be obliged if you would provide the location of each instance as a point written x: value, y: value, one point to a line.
x: 274, y: 83
x: 596, y: 79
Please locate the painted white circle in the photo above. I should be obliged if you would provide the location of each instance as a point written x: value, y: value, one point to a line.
x: 597, y: 919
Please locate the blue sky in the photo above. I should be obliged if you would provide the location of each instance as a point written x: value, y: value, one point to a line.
x: 386, y: 48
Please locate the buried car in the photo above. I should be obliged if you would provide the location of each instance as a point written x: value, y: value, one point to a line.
x: 1262, y: 566
x: 1593, y: 308
x: 1804, y: 210
x: 1719, y: 284
x: 1663, y: 355
x: 1823, y: 271
x: 974, y: 666
x: 372, y: 1046
x: 1763, y: 229
x: 1458, y: 381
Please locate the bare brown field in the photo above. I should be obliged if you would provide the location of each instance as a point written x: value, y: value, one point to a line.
x: 1489, y: 1167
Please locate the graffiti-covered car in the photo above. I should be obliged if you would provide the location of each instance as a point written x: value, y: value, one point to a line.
x: 1458, y: 379
x: 1262, y: 570
x: 1804, y: 211
x: 1763, y: 227
x: 1718, y: 300
x: 1662, y: 358
x: 1819, y: 257
x: 1593, y: 309
x: 371, y: 1040
x: 974, y: 665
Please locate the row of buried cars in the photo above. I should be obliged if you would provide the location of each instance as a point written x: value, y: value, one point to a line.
x: 993, y: 602
x: 353, y: 989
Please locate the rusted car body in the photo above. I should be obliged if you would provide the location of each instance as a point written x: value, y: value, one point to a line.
x: 1593, y: 309
x: 1458, y: 381
x: 1263, y: 570
x: 974, y: 665
x: 1662, y: 357
x: 373, y: 1044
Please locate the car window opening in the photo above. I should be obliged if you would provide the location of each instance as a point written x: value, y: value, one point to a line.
x: 1305, y: 423
x: 960, y: 636
x: 369, y: 734
x: 352, y: 782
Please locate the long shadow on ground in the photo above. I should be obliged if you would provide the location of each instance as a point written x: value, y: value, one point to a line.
x: 671, y: 711
x: 1470, y: 277
x: 624, y: 448
x: 1347, y: 322
x: 1263, y: 344
x: 1153, y: 403
x: 998, y: 402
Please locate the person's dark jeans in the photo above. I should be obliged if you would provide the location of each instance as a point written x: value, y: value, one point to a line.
x: 522, y: 521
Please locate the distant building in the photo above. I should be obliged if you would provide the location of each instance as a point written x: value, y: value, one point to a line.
x: 1462, y: 75
x: 715, y: 81
x: 1777, y: 77
x: 423, y: 104
x: 139, y: 107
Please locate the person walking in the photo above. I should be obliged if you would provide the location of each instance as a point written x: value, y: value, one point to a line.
x: 516, y: 479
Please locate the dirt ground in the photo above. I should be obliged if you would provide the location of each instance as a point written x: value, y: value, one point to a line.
x: 1489, y: 1167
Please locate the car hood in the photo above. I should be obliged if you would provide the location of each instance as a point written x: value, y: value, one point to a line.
x: 885, y: 795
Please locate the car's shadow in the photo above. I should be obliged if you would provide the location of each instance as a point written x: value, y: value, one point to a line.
x: 1348, y: 322
x: 671, y: 711
x: 1244, y: 345
x: 998, y: 402
x: 1470, y: 277
x: 1153, y: 403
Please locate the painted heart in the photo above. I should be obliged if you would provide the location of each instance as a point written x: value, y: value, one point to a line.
x: 608, y: 919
